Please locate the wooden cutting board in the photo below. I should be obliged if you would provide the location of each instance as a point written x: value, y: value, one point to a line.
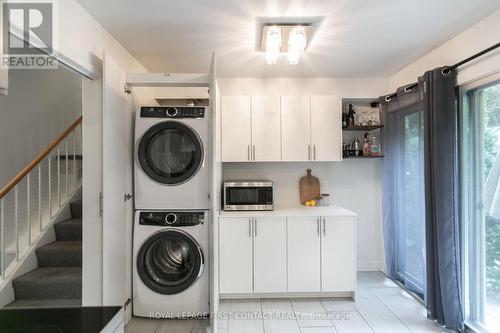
x: 308, y: 187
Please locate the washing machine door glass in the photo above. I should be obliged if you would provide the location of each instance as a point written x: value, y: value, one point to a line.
x: 171, y: 153
x: 169, y: 262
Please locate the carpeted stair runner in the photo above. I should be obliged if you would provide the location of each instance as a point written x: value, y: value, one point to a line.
x: 58, y: 279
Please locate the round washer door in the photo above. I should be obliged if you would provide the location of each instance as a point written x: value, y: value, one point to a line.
x: 171, y: 153
x: 170, y: 261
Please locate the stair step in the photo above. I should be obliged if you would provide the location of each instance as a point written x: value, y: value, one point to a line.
x: 69, y: 230
x: 60, y: 254
x: 76, y: 209
x: 49, y: 283
x: 46, y: 303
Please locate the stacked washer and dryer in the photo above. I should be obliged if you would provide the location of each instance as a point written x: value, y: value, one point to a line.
x: 171, y: 234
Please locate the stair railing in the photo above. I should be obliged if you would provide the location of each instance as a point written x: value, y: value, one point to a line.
x: 31, y: 199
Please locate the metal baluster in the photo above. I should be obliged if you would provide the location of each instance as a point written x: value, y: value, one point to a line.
x: 50, y: 188
x: 58, y: 157
x: 28, y: 214
x: 2, y: 237
x: 16, y: 222
x: 74, y: 159
x: 67, y: 169
x: 40, y: 195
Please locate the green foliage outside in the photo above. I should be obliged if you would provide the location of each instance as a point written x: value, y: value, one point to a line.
x: 491, y: 104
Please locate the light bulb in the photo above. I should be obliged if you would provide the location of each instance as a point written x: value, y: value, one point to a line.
x: 296, y: 44
x: 273, y: 45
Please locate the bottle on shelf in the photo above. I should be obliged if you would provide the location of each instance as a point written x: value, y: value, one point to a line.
x: 366, y: 146
x: 344, y: 118
x: 351, y: 121
x: 374, y: 148
x: 356, y: 146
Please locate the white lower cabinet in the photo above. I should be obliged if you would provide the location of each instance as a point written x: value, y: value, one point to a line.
x: 303, y: 254
x: 338, y: 254
x: 294, y: 254
x: 270, y: 254
x: 235, y: 255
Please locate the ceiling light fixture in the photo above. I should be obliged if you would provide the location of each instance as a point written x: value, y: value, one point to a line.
x: 273, y: 45
x: 290, y: 38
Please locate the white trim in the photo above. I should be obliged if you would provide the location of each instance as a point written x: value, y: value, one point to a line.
x: 168, y: 79
x: 288, y: 295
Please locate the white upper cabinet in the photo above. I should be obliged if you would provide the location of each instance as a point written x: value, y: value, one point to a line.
x: 326, y: 133
x: 286, y: 128
x: 236, y: 131
x: 266, y: 128
x: 296, y: 128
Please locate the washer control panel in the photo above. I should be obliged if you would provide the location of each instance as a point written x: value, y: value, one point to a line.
x: 172, y: 219
x: 172, y: 112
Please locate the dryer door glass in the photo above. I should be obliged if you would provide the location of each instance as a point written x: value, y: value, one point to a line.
x: 170, y: 262
x: 171, y: 153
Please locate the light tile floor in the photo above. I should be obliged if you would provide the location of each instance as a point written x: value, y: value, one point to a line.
x: 381, y: 307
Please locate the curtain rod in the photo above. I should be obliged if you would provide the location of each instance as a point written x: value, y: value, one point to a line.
x: 447, y: 69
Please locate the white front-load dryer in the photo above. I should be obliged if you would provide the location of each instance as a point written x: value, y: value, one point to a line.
x: 170, y: 274
x: 170, y: 164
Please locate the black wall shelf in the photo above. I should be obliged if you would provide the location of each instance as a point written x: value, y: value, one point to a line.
x: 362, y: 128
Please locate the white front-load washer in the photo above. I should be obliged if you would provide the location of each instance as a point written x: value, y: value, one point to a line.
x: 170, y: 274
x: 171, y: 150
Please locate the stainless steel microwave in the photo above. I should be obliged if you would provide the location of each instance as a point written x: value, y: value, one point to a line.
x: 248, y: 195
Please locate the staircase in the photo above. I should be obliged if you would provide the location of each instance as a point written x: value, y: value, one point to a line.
x: 58, y: 279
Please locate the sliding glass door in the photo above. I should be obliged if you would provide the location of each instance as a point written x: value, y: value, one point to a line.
x: 410, y: 255
x: 480, y: 184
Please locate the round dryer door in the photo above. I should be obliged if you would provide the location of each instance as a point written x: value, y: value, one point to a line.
x: 171, y: 153
x: 169, y: 262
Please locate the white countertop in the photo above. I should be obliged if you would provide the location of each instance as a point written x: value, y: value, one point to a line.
x: 293, y: 210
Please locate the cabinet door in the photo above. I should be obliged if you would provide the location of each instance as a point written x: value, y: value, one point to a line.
x: 326, y: 128
x: 338, y: 254
x: 235, y: 255
x: 270, y: 254
x: 303, y: 254
x: 236, y: 128
x: 266, y: 128
x: 295, y: 128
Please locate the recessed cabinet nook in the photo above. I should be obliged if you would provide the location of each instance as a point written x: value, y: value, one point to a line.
x: 281, y: 128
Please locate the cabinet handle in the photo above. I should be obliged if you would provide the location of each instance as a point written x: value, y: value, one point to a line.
x: 250, y: 228
x: 317, y: 226
x: 309, y: 152
x: 248, y: 152
x: 324, y: 227
x: 254, y: 152
x: 314, y: 152
x: 255, y: 227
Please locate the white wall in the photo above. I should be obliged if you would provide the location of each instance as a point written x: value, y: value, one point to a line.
x: 40, y: 105
x: 354, y: 184
x: 480, y: 36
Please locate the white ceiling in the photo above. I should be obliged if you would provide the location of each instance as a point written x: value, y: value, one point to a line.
x: 358, y: 38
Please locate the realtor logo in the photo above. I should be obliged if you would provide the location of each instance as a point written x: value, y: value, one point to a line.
x: 27, y: 35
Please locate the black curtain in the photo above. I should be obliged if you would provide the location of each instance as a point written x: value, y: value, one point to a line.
x: 435, y: 94
x: 441, y: 199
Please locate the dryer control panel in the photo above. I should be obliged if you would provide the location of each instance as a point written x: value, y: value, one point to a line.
x: 172, y: 112
x: 172, y: 219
